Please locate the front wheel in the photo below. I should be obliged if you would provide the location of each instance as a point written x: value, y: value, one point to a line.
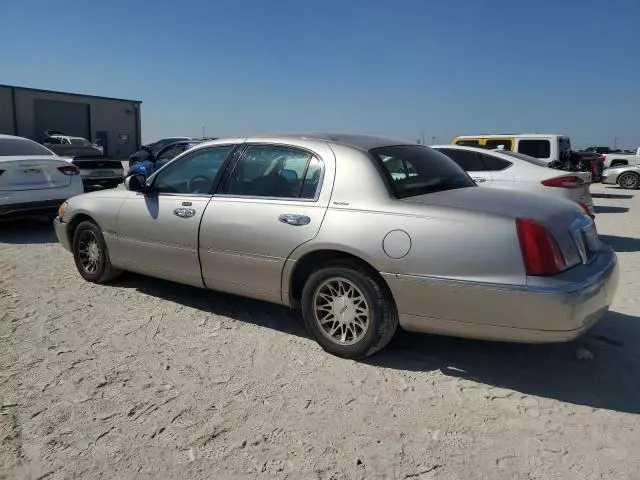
x: 91, y: 255
x: 629, y: 181
x: 348, y: 310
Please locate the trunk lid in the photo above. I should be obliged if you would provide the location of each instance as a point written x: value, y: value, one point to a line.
x: 32, y: 173
x: 561, y: 217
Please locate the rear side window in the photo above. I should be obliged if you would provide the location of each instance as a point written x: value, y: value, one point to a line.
x: 275, y: 171
x: 468, y: 143
x: 468, y: 161
x: 415, y: 170
x: 535, y: 148
x: 21, y: 146
x: 503, y: 143
x: 494, y: 164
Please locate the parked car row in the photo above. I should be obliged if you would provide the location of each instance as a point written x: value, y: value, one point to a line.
x: 362, y: 234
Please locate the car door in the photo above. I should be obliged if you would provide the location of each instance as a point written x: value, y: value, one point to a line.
x: 471, y: 162
x: 158, y: 228
x: 272, y: 202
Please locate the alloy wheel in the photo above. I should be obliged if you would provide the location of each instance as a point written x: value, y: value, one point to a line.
x: 341, y: 311
x: 89, y: 252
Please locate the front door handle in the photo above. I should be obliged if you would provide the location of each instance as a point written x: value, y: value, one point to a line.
x: 184, y: 212
x: 478, y: 179
x: 293, y: 219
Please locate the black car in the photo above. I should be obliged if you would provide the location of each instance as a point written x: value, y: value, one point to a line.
x: 165, y: 154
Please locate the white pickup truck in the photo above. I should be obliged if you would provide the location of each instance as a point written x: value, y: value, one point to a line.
x: 622, y: 158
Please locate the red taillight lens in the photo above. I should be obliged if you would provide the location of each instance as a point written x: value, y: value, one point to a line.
x: 69, y: 170
x: 540, y: 252
x: 569, y: 181
x: 586, y: 210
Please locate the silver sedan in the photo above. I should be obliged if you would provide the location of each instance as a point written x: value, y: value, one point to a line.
x: 626, y: 176
x: 363, y: 234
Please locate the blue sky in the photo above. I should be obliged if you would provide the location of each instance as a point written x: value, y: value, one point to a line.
x: 398, y: 68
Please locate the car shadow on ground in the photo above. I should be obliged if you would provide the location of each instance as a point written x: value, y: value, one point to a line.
x: 612, y: 196
x: 621, y: 244
x: 608, y: 381
x: 559, y: 371
x: 27, y: 231
x: 608, y: 209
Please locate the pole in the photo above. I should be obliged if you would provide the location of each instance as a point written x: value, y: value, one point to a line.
x: 423, y: 138
x: 203, y: 132
x: 433, y: 140
x: 615, y: 143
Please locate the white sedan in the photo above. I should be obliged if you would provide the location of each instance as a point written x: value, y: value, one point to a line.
x: 515, y: 171
x: 33, y: 179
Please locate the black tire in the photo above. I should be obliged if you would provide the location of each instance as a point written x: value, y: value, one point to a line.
x: 383, y: 315
x: 98, y: 270
x: 629, y: 181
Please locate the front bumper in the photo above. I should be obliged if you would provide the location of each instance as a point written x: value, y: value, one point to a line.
x: 20, y: 210
x: 610, y: 178
x: 556, y: 309
x: 62, y: 233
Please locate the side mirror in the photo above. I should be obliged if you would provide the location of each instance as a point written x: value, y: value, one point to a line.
x: 135, y: 183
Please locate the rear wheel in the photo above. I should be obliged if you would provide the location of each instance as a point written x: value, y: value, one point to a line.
x: 91, y: 254
x: 348, y: 310
x: 629, y: 181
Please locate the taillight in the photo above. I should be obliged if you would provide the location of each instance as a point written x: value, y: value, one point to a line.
x: 69, y: 170
x: 586, y: 210
x: 569, y: 181
x: 540, y: 252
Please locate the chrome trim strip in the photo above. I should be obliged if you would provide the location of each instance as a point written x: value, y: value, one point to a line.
x: 556, y: 290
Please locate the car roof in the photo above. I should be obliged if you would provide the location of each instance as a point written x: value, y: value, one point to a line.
x: 511, y: 135
x: 360, y: 141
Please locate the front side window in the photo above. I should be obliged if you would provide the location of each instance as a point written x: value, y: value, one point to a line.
x: 423, y: 170
x: 535, y: 148
x: 275, y: 171
x: 501, y: 143
x: 21, y: 146
x: 192, y: 174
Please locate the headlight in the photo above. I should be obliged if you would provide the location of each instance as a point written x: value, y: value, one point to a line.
x: 62, y: 209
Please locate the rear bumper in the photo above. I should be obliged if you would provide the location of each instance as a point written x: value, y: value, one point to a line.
x: 20, y: 210
x: 62, y: 233
x: 556, y: 311
x: 89, y: 180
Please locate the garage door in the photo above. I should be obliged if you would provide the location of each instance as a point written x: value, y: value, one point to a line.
x: 69, y: 117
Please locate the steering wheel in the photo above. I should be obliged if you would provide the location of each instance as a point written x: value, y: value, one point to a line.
x: 199, y: 184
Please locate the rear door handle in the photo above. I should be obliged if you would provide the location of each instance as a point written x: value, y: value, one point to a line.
x: 184, y: 212
x: 293, y: 219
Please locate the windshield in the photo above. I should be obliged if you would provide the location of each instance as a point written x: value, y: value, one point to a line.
x: 416, y: 170
x: 80, y: 141
x: 21, y: 146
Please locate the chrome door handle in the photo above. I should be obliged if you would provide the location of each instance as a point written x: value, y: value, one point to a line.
x: 293, y: 219
x: 184, y: 212
x: 478, y: 179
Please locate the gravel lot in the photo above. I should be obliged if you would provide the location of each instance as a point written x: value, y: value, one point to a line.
x: 148, y: 379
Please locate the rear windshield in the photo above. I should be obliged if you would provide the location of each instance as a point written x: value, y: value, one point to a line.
x: 21, y: 146
x: 416, y: 170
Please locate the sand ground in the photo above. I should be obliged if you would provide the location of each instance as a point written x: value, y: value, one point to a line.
x: 148, y: 379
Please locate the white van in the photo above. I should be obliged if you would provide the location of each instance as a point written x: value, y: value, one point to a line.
x: 547, y: 147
